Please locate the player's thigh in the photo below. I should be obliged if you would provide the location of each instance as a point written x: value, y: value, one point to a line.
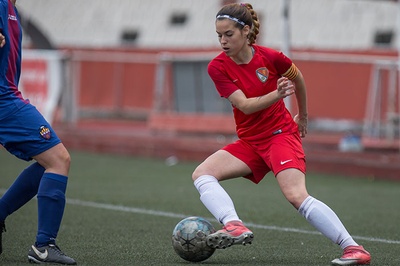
x: 55, y: 159
x: 222, y: 165
x: 292, y: 183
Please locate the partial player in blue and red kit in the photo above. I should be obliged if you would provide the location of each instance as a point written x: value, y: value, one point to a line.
x: 256, y: 79
x: 27, y: 135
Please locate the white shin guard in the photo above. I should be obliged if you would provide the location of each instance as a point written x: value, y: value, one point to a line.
x: 215, y: 198
x: 326, y: 221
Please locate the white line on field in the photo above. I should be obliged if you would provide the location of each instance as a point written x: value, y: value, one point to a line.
x: 177, y: 215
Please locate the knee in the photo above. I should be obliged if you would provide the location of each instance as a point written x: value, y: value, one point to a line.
x: 196, y: 173
x: 64, y: 158
x: 296, y: 198
x: 201, y: 170
x: 61, y: 161
x: 293, y: 186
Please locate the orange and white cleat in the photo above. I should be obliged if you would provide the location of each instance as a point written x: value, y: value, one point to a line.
x: 233, y: 233
x: 353, y: 255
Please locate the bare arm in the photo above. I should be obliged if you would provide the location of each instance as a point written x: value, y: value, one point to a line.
x: 255, y: 104
x: 2, y: 40
x: 301, y: 95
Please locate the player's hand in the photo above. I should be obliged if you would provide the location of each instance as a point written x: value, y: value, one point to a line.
x: 284, y: 87
x: 302, y: 124
x: 2, y: 40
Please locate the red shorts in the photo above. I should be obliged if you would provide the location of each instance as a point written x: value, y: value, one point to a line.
x: 280, y: 152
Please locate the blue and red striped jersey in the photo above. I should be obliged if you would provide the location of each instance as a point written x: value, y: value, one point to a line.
x: 10, y: 59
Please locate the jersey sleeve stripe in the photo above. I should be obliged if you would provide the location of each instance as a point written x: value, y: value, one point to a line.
x: 292, y: 72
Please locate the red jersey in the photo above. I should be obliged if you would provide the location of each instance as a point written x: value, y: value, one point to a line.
x: 257, y: 78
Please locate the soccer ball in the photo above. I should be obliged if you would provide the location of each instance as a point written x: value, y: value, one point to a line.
x: 189, y: 239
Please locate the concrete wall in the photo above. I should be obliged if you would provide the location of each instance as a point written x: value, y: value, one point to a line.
x: 338, y: 84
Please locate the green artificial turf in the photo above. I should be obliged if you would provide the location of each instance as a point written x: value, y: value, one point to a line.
x: 122, y: 210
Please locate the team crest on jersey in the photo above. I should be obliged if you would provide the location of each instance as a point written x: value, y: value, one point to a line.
x: 45, y: 132
x: 262, y: 74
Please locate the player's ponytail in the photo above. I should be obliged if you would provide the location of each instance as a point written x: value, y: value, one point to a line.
x: 255, y: 28
x: 243, y: 14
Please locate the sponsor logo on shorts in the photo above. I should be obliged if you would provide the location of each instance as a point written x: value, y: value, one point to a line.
x: 45, y: 132
x: 283, y: 162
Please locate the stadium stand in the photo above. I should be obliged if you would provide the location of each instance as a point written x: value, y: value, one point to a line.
x: 322, y: 24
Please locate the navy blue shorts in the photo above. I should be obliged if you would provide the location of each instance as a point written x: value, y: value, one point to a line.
x: 26, y: 133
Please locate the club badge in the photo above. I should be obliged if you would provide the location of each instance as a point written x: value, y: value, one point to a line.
x: 262, y: 74
x: 45, y: 132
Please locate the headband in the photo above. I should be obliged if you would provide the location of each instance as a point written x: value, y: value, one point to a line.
x: 232, y: 18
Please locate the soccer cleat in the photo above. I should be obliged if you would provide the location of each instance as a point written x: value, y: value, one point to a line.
x: 2, y: 230
x: 49, y: 254
x: 353, y: 255
x: 233, y: 233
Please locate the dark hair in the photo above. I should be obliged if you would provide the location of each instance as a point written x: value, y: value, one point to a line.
x: 242, y: 13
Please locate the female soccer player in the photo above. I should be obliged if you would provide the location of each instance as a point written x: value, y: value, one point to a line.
x: 26, y: 134
x: 255, y: 80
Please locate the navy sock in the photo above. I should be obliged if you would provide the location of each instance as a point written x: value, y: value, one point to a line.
x: 24, y: 188
x: 51, y: 204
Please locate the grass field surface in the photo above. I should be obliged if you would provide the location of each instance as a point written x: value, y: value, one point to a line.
x: 122, y: 210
